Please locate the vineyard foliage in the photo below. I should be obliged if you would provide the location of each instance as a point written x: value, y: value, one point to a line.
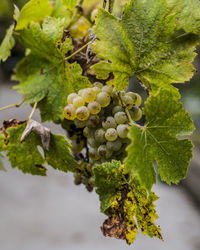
x: 72, y: 45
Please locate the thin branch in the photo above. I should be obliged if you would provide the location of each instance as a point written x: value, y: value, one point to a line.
x: 78, y: 51
x: 13, y: 105
x: 32, y: 112
x: 111, y: 5
x: 104, y: 4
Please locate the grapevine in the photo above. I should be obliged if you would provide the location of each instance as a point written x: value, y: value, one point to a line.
x: 80, y: 57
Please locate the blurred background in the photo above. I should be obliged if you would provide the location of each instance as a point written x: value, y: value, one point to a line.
x: 40, y: 213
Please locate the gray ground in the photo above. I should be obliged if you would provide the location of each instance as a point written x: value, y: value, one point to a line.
x: 51, y: 213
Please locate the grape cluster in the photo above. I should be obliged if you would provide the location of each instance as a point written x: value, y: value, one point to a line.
x: 99, y: 123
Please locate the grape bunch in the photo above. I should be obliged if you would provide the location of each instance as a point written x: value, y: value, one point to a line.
x: 99, y: 123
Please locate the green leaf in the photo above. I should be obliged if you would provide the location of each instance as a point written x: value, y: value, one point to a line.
x: 188, y: 14
x: 46, y: 39
x: 59, y: 155
x: 7, y: 44
x: 124, y: 201
x: 34, y: 10
x: 157, y: 140
x: 147, y: 42
x: 24, y: 155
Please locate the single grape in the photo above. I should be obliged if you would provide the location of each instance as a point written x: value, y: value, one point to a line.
x: 80, y: 28
x: 100, y: 135
x: 80, y: 91
x: 128, y: 101
x: 114, y: 145
x: 93, y: 153
x: 136, y: 98
x: 88, y: 95
x: 87, y: 132
x: 104, y: 152
x: 77, y: 179
x: 79, y: 124
x: 92, y: 142
x: 98, y: 84
x: 109, y: 122
x: 120, y: 117
x: 93, y: 121
x: 111, y: 134
x: 117, y: 109
x: 116, y: 98
x: 122, y: 130
x: 94, y: 107
x: 137, y: 113
x: 69, y: 112
x: 78, y: 102
x: 82, y: 113
x: 97, y: 89
x: 103, y: 98
x: 108, y: 89
x: 71, y: 97
x: 77, y: 146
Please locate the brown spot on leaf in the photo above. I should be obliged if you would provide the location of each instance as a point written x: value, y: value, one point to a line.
x: 10, y: 123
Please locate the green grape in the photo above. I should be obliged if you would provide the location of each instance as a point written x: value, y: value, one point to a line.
x: 136, y: 113
x: 100, y: 135
x: 82, y: 113
x: 136, y: 98
x: 71, y: 97
x: 111, y: 134
x: 97, y: 89
x: 120, y: 117
x: 79, y: 124
x: 109, y: 122
x: 77, y: 179
x: 104, y: 152
x: 114, y: 145
x: 103, y: 98
x: 80, y: 28
x: 88, y: 95
x: 128, y: 101
x: 80, y: 91
x: 98, y: 84
x: 93, y: 154
x: 87, y: 132
x: 126, y: 141
x: 93, y: 121
x: 69, y: 112
x: 94, y: 107
x: 78, y: 102
x: 108, y: 89
x: 77, y: 146
x: 122, y: 130
x: 92, y: 142
x: 117, y: 109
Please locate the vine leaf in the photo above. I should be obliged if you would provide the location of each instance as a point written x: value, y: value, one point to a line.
x: 122, y: 201
x: 71, y: 4
x: 26, y: 155
x: 7, y: 44
x: 34, y: 10
x: 147, y: 42
x: 44, y: 76
x: 165, y: 120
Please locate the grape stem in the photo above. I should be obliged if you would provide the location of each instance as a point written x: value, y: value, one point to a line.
x: 33, y: 111
x: 16, y: 105
x: 128, y: 114
x: 78, y: 51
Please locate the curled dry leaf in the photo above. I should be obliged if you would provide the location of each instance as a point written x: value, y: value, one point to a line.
x: 42, y: 131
